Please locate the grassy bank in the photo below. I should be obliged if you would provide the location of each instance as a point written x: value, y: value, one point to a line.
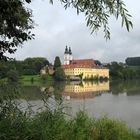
x: 15, y: 125
x: 34, y: 79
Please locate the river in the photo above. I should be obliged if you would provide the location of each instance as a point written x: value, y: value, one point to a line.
x: 116, y: 99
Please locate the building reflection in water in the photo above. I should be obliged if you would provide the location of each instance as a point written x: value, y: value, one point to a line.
x: 76, y: 90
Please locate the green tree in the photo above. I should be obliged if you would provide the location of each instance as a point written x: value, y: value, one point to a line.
x: 16, y: 22
x: 59, y: 74
x: 12, y: 76
x: 30, y: 66
x: 97, y: 62
x: 116, y: 70
x: 5, y: 66
x: 3, y: 69
x: 33, y: 65
x: 57, y: 62
x: 122, y: 71
x: 15, y: 25
x: 133, y: 61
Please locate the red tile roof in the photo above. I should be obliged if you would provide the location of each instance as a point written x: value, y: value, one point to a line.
x: 80, y: 95
x: 85, y: 63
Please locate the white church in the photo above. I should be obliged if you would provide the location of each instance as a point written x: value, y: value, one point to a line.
x: 67, y: 56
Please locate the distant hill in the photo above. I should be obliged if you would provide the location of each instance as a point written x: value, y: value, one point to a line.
x: 133, y: 61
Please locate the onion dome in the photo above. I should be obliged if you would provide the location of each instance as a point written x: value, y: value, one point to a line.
x: 70, y: 52
x: 66, y: 50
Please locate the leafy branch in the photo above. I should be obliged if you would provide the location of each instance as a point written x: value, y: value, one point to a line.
x: 98, y: 12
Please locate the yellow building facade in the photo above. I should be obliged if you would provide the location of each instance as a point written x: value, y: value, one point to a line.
x: 87, y: 68
x: 87, y: 72
x: 87, y: 87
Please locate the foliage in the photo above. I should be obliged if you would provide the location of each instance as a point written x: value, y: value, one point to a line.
x: 28, y: 77
x: 133, y: 61
x: 81, y: 76
x: 33, y: 66
x: 13, y: 123
x: 15, y: 25
x: 57, y: 62
x: 97, y: 62
x: 30, y: 66
x: 96, y: 78
x: 3, y: 70
x: 37, y: 79
x: 121, y: 71
x: 12, y: 76
x: 5, y: 67
x: 58, y: 90
x: 52, y: 125
x: 9, y: 90
x: 130, y: 87
x: 98, y: 12
x: 16, y: 21
x: 112, y: 130
x: 59, y: 74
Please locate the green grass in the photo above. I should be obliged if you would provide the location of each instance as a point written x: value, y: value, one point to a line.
x: 34, y: 80
x: 28, y: 77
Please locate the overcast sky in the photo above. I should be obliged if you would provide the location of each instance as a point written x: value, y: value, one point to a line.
x: 57, y: 27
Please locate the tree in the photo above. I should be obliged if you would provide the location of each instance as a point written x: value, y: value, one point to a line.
x: 57, y: 62
x: 59, y: 74
x: 12, y: 76
x: 133, y: 61
x: 33, y: 65
x: 30, y: 66
x: 3, y: 69
x: 97, y: 62
x: 16, y: 22
x: 15, y: 25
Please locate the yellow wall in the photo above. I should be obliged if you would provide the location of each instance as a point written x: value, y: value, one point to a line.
x: 87, y: 72
x: 87, y: 87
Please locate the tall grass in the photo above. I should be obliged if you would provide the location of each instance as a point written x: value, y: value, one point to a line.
x: 52, y: 125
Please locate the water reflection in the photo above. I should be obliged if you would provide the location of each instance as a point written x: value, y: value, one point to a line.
x: 118, y: 99
x: 82, y: 90
x: 130, y: 87
x: 121, y: 100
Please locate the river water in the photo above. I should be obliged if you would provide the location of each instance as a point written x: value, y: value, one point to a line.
x: 116, y: 99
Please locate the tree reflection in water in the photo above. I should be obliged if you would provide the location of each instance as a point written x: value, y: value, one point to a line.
x: 130, y: 87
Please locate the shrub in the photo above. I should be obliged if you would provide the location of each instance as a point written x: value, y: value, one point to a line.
x: 12, y: 76
x: 52, y: 125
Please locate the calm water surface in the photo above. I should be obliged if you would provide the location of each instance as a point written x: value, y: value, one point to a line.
x: 117, y: 99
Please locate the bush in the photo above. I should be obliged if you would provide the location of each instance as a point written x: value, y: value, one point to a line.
x: 52, y: 125
x: 12, y: 76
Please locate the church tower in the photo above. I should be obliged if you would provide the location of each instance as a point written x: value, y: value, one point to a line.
x: 66, y: 56
x: 70, y: 55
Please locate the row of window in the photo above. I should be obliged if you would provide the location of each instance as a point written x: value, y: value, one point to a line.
x: 87, y: 70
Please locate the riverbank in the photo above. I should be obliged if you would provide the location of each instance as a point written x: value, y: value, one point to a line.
x: 52, y: 125
x: 35, y: 80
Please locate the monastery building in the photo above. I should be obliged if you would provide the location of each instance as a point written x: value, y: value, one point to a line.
x: 84, y: 67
